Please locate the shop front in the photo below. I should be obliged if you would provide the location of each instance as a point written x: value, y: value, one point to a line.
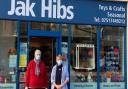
x: 91, y: 34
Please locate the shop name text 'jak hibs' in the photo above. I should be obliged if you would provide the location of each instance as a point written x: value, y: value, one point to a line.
x: 54, y: 8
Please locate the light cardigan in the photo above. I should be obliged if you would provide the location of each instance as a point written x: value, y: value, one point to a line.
x: 64, y: 76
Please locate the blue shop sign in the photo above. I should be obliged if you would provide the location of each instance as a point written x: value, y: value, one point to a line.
x: 91, y: 12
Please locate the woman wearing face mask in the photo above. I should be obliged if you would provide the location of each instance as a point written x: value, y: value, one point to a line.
x: 59, y: 75
x: 36, y: 75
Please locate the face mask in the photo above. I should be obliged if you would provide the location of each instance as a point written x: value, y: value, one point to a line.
x: 59, y: 62
x: 37, y: 57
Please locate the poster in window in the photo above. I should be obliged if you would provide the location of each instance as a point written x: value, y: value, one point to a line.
x: 12, y: 60
x: 23, y: 55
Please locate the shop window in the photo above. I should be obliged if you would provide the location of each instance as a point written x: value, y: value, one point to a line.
x: 8, y: 53
x: 112, y: 56
x: 83, y: 70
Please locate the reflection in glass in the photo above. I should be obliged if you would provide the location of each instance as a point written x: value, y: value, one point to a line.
x: 112, y: 57
x: 83, y: 56
x: 8, y: 52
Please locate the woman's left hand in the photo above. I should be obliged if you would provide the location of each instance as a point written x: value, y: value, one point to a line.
x: 60, y: 86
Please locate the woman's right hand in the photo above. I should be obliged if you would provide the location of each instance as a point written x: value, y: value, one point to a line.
x: 59, y: 86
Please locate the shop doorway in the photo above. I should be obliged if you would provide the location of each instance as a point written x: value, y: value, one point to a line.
x: 47, y: 45
x: 32, y: 36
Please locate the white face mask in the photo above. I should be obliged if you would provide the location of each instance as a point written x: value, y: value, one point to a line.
x: 37, y: 57
x: 59, y: 62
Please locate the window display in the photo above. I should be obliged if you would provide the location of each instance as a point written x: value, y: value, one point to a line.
x: 83, y: 70
x: 112, y: 56
x: 84, y: 58
x: 8, y: 54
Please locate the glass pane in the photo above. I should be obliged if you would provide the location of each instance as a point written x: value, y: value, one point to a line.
x: 23, y: 44
x: 65, y: 30
x: 86, y: 56
x: 83, y: 71
x: 44, y: 26
x: 64, y: 43
x: 112, y: 58
x: 23, y: 53
x: 8, y: 53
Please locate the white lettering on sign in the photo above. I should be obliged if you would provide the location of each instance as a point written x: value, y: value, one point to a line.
x: 103, y: 8
x: 49, y: 9
x: 19, y: 8
x: 113, y: 85
x: 116, y: 15
x: 59, y: 11
x: 85, y: 45
x: 91, y: 85
x: 112, y: 14
x: 111, y: 8
x: 120, y: 8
